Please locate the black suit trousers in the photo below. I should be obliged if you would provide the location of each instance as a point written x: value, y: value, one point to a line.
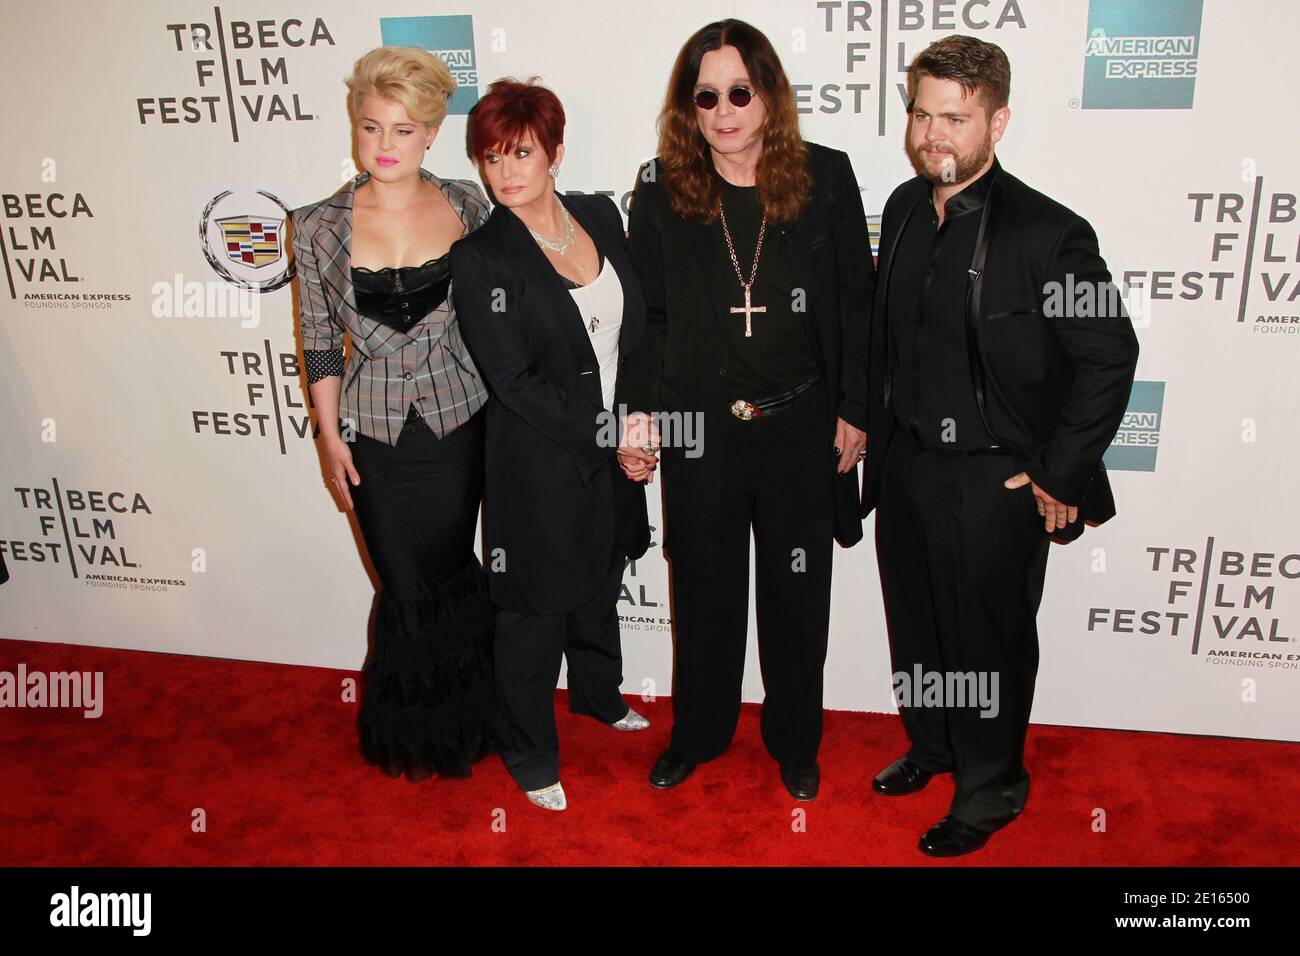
x: 778, y: 480
x: 527, y: 655
x: 962, y: 562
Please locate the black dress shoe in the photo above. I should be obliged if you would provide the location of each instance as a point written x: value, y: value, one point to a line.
x: 901, y: 778
x: 951, y: 837
x: 670, y: 769
x: 801, y: 780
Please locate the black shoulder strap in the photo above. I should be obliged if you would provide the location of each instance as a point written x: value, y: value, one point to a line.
x: 974, y: 289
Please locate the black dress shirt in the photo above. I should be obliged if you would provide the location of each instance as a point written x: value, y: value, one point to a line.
x: 933, y: 396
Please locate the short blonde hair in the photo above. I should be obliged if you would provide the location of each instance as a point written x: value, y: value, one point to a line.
x: 413, y: 77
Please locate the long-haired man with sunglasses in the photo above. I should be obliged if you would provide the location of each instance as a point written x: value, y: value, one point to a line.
x: 752, y: 250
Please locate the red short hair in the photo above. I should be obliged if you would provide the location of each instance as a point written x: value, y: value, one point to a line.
x: 512, y: 110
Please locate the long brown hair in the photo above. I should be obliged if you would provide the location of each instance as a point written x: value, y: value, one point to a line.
x: 784, y: 183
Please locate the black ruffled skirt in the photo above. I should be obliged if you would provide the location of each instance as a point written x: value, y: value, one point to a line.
x: 428, y: 705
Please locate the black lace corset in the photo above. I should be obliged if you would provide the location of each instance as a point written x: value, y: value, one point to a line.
x: 400, y: 297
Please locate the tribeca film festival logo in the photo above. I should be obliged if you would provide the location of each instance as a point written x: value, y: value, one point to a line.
x: 81, y: 530
x: 270, y: 388
x: 1141, y: 55
x: 1223, y: 604
x: 451, y: 39
x: 1138, y: 439
x: 240, y: 73
x: 30, y: 246
x: 873, y: 70
x: 1254, y: 257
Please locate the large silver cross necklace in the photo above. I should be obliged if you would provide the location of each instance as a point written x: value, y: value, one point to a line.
x: 748, y: 308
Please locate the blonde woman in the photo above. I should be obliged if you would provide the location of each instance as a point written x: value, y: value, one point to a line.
x: 401, y: 426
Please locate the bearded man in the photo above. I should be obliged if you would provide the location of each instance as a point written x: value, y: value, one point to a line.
x: 992, y: 402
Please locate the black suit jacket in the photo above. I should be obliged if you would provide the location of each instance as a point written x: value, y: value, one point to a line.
x: 556, y: 498
x: 684, y: 367
x: 1053, y: 387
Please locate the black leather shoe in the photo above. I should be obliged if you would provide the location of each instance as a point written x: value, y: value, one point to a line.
x: 951, y: 837
x: 670, y: 769
x: 801, y: 780
x: 901, y: 778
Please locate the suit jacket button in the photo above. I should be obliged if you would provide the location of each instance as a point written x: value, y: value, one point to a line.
x: 408, y: 376
x: 722, y: 371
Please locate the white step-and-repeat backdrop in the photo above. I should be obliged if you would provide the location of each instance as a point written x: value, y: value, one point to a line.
x: 159, y: 487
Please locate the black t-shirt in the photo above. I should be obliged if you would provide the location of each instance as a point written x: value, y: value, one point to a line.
x: 778, y: 355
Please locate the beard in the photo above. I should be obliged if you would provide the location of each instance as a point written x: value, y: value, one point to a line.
x: 954, y: 168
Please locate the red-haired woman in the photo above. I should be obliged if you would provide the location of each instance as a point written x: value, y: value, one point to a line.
x: 550, y: 307
x: 752, y: 249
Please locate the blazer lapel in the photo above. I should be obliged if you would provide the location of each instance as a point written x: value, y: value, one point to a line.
x: 987, y: 231
x: 633, y: 326
x: 975, y: 301
x: 333, y: 242
x: 700, y: 257
x: 886, y: 264
x: 883, y: 274
x: 549, y: 284
x: 633, y: 318
x: 797, y: 239
x: 471, y: 209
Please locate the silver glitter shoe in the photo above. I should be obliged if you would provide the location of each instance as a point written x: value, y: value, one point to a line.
x: 548, y: 798
x: 631, y: 721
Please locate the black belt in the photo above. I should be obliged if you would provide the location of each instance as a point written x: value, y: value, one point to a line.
x: 748, y: 411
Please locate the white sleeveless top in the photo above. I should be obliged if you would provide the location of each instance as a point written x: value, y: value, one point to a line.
x: 600, y: 303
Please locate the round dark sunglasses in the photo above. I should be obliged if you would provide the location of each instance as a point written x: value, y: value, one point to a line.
x: 738, y: 95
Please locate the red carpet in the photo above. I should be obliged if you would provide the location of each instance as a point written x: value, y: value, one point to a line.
x: 268, y: 752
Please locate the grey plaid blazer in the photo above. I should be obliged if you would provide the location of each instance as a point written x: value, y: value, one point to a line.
x: 387, y: 370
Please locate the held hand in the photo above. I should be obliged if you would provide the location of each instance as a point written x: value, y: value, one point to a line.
x: 1055, y: 513
x: 637, y: 453
x: 850, y: 444
x: 338, y: 464
x: 640, y: 430
x: 636, y: 470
